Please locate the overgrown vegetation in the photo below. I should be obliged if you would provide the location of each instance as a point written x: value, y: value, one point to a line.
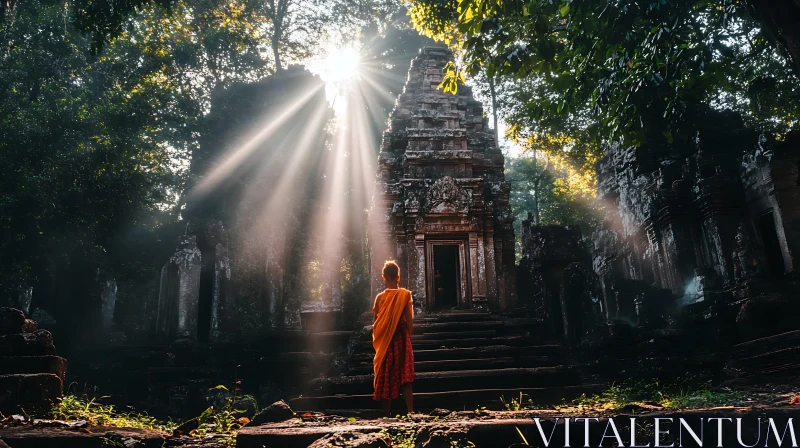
x: 684, y: 393
x: 74, y: 407
x: 226, y: 420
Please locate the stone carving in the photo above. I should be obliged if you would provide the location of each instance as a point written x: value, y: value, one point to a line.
x: 445, y: 196
x: 746, y: 259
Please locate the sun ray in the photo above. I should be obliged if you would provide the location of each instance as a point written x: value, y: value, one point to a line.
x: 231, y: 161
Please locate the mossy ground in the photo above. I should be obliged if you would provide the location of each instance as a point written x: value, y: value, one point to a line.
x: 219, y: 426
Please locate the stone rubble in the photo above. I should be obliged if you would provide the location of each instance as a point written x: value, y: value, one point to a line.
x: 31, y: 375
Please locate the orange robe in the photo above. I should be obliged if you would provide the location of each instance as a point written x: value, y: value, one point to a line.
x: 389, y: 307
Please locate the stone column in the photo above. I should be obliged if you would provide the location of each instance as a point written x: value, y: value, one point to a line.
x: 165, y: 301
x: 221, y: 298
x: 491, y: 269
x: 274, y: 293
x: 416, y: 280
x: 108, y: 297
x: 475, y: 269
x: 187, y: 260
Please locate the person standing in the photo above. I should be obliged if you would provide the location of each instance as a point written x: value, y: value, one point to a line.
x: 392, y: 326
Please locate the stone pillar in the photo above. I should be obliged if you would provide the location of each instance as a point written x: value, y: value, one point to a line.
x: 165, y: 301
x: 482, y: 268
x: 491, y: 269
x: 108, y: 297
x: 417, y: 282
x: 474, y: 266
x: 220, y: 303
x: 179, y: 293
x: 274, y: 295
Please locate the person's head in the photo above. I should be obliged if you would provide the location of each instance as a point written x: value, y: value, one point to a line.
x: 391, y: 272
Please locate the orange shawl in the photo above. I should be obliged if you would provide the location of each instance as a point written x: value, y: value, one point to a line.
x: 388, y: 309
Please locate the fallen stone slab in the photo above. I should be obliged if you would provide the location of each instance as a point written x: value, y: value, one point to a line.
x: 294, y: 435
x: 487, y: 429
x: 38, y: 343
x: 353, y: 440
x: 33, y: 364
x: 30, y: 391
x: 11, y: 320
x: 100, y: 437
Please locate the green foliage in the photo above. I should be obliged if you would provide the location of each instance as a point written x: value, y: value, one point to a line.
x: 453, y: 76
x: 515, y: 404
x: 685, y: 393
x: 633, y: 71
x: 73, y: 408
x: 91, y: 149
x: 551, y: 186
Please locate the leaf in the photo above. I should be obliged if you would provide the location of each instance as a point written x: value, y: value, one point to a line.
x: 524, y: 440
x: 564, y: 10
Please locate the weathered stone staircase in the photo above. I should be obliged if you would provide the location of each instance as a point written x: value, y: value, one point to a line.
x: 463, y: 360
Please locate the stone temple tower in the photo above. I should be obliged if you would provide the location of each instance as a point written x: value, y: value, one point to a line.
x: 440, y: 206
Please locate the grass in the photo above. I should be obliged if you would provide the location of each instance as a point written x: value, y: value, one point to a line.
x: 227, y: 420
x: 685, y: 393
x: 73, y: 408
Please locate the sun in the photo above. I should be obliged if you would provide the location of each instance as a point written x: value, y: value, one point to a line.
x: 341, y: 64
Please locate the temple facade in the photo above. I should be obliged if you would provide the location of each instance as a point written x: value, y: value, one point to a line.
x: 440, y: 206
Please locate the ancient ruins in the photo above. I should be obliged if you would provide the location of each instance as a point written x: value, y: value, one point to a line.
x: 440, y: 206
x: 693, y: 269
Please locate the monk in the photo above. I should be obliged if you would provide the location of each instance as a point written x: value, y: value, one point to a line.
x: 391, y: 338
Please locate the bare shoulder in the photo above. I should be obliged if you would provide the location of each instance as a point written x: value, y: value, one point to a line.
x: 378, y: 300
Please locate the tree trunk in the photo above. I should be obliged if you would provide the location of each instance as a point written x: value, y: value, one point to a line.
x: 277, y: 55
x: 536, y: 187
x: 780, y: 19
x: 493, y: 93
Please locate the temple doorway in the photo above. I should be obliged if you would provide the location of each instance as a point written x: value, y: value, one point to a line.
x: 446, y: 275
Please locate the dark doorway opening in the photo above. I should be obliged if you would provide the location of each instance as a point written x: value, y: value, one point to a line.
x: 446, y: 278
x: 772, y: 247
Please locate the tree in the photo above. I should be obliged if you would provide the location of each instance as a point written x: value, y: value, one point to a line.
x: 552, y: 191
x: 637, y: 72
x: 85, y: 157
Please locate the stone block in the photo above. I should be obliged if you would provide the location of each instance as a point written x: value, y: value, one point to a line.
x: 354, y: 440
x: 276, y: 412
x: 33, y: 364
x: 38, y: 343
x: 30, y: 392
x: 11, y: 320
x: 30, y: 326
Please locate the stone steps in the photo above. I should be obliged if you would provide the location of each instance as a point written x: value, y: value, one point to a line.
x: 454, y: 400
x: 464, y: 364
x: 33, y: 364
x: 440, y: 381
x: 431, y: 344
x: 461, y: 358
x: 772, y: 355
x: 490, y: 351
x: 31, y: 391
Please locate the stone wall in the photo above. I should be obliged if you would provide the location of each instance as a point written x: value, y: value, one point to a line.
x: 692, y: 232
